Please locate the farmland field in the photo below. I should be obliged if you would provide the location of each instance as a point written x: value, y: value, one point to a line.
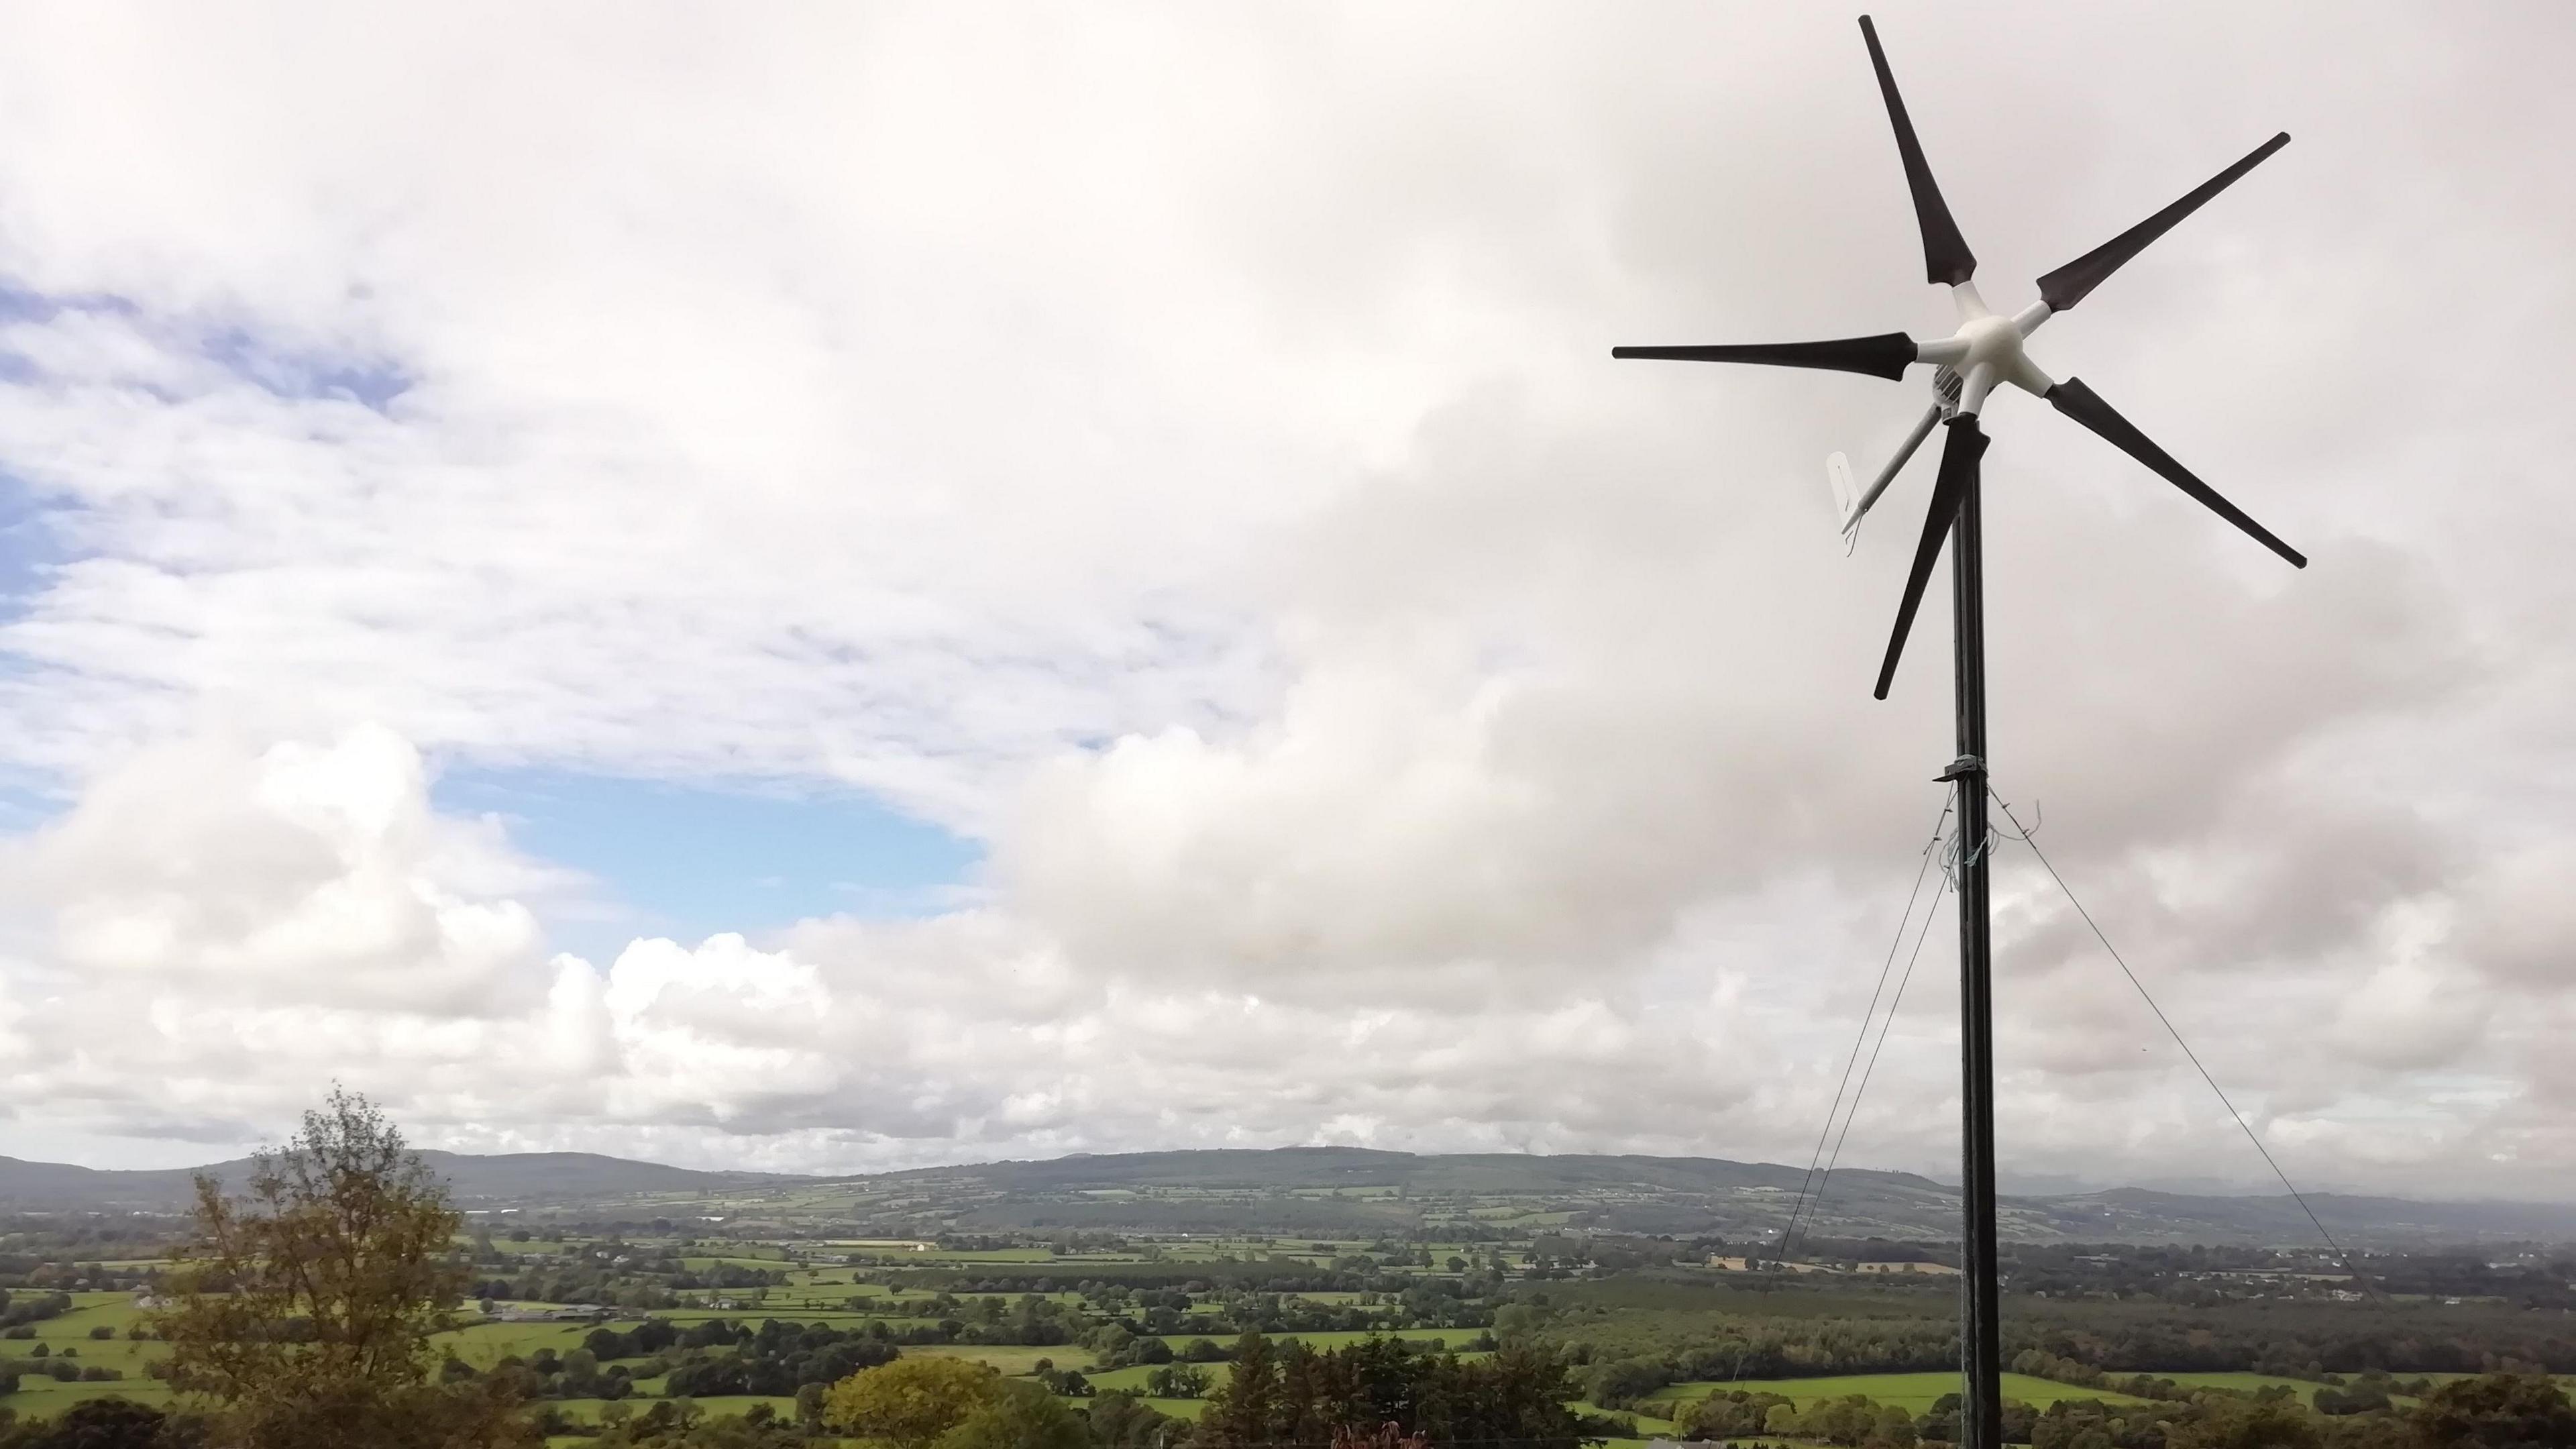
x: 1914, y: 1392
x: 1633, y: 1309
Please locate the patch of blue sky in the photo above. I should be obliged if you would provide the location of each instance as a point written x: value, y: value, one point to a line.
x: 29, y: 546
x: 271, y: 363
x: 299, y: 373
x: 690, y: 860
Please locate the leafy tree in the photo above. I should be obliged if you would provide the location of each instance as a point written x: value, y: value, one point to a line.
x: 809, y: 1404
x: 1121, y: 1420
x: 1297, y: 1395
x: 1018, y: 1416
x: 2247, y: 1424
x: 1384, y: 1436
x: 106, y: 1424
x: 305, y: 1309
x: 1177, y: 1381
x: 910, y: 1402
x: 2496, y: 1409
x: 1729, y: 1414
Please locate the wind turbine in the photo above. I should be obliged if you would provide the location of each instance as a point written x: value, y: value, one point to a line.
x: 1984, y: 354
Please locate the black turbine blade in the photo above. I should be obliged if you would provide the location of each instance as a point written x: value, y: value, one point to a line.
x: 1946, y: 259
x: 2085, y: 406
x: 2068, y: 285
x: 1886, y: 355
x: 1959, y: 461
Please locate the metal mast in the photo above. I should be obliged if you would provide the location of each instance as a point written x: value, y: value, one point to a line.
x: 1981, y: 1404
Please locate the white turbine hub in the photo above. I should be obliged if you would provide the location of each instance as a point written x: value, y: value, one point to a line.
x: 1986, y: 351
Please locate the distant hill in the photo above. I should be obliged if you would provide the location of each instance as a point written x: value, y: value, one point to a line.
x: 529, y: 1178
x: 1349, y: 1191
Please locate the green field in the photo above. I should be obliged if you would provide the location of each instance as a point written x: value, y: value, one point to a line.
x: 1645, y: 1424
x: 1912, y: 1392
x: 69, y: 1333
x: 2306, y: 1389
x: 2244, y: 1383
x: 1344, y: 1337
x: 1007, y: 1358
x: 587, y: 1410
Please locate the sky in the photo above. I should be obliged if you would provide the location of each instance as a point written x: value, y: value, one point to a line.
x: 846, y: 587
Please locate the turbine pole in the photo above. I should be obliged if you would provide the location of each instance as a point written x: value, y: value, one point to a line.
x: 1981, y: 1423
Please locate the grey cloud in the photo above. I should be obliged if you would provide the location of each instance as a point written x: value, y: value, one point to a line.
x: 1177, y: 447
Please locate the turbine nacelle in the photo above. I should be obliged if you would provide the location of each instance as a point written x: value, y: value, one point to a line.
x: 1986, y: 352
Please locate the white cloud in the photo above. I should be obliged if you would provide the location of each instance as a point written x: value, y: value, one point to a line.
x: 1175, y: 448
x: 303, y: 876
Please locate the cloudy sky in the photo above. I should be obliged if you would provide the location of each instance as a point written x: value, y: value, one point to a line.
x: 905, y: 584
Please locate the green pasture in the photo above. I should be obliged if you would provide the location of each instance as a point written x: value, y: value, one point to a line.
x: 587, y: 1410
x: 39, y: 1397
x: 1645, y: 1425
x: 2243, y: 1383
x: 1008, y: 1358
x: 1914, y: 1393
x: 2305, y: 1389
x: 1456, y: 1338
x: 1131, y: 1379
x: 485, y: 1344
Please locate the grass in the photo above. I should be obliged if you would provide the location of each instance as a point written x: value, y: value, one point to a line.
x: 1912, y: 1392
x: 1008, y: 1358
x: 2305, y: 1389
x: 485, y: 1344
x: 587, y: 1410
x: 2245, y: 1383
x: 1342, y: 1337
x: 1644, y: 1424
x: 39, y: 1396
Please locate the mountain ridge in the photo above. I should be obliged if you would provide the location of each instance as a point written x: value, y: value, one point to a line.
x: 1348, y: 1191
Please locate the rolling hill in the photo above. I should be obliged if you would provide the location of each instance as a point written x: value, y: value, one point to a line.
x: 1347, y: 1192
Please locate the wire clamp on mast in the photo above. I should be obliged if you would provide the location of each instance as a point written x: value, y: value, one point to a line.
x: 1960, y: 854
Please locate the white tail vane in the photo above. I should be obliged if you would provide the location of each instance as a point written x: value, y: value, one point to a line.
x: 1846, y: 497
x: 1855, y: 507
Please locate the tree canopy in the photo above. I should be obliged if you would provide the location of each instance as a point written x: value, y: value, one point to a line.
x: 305, y: 1307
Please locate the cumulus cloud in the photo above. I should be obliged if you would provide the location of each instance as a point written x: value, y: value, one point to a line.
x: 304, y: 875
x: 1175, y: 449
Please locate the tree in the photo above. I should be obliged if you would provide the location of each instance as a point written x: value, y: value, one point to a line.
x: 1121, y: 1420
x: 1018, y: 1416
x: 1384, y: 1436
x: 911, y: 1401
x: 306, y: 1308
x: 1730, y: 1414
x: 809, y: 1404
x: 2247, y: 1424
x: 1295, y: 1394
x: 1177, y: 1381
x: 2494, y: 1409
x: 105, y: 1424
x: 1516, y: 1323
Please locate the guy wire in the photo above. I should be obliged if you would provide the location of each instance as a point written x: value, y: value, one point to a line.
x: 1798, y: 1204
x: 2175, y: 1032
x: 1931, y: 847
x: 1884, y: 1027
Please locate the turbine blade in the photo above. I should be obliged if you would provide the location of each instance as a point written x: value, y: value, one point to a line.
x: 1946, y: 259
x: 2085, y: 406
x: 1959, y: 463
x: 1886, y: 355
x: 2063, y: 288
